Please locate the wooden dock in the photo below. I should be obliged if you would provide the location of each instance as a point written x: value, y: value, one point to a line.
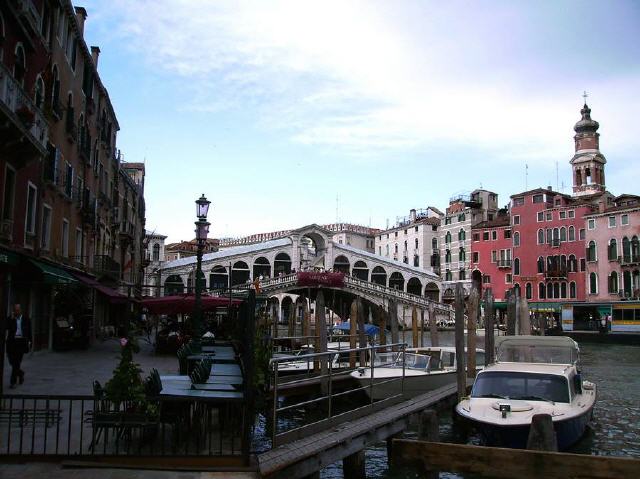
x: 310, y: 454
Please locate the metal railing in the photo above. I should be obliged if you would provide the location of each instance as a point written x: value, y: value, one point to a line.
x: 328, y: 397
x: 66, y: 425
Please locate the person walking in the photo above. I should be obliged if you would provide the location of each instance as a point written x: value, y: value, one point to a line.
x: 18, y: 342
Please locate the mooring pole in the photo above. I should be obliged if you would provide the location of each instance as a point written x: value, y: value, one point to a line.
x: 433, y: 325
x: 472, y: 314
x: 352, y: 333
x: 460, y: 370
x: 489, y: 319
x: 414, y: 326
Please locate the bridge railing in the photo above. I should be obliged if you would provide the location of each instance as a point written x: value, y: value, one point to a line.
x: 332, y: 406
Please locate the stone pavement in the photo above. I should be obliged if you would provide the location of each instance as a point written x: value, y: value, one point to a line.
x: 73, y: 372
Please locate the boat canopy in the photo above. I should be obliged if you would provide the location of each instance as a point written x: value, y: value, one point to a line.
x: 369, y: 329
x: 536, y: 349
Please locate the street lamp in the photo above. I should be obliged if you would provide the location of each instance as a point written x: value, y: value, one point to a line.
x: 202, y: 230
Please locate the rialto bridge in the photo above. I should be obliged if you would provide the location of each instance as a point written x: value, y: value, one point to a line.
x: 379, y: 281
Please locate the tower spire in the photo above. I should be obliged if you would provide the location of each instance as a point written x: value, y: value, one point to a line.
x: 587, y: 163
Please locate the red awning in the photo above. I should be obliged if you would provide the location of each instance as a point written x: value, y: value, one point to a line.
x: 184, y: 303
x: 114, y: 296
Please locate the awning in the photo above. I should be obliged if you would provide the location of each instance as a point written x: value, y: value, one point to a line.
x: 114, y: 296
x: 53, y: 275
x: 184, y: 303
x: 9, y: 258
x: 369, y: 329
x: 546, y: 307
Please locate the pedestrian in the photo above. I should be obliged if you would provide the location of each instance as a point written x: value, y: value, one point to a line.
x: 18, y: 342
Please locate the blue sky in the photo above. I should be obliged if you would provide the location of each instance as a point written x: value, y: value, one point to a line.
x: 274, y: 109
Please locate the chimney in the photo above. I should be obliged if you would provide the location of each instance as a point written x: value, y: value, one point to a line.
x: 412, y: 214
x: 549, y: 188
x: 95, y: 53
x: 81, y: 16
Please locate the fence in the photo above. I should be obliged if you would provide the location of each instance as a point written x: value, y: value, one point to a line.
x: 85, y: 426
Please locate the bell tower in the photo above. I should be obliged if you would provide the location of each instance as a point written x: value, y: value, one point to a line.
x: 588, y: 163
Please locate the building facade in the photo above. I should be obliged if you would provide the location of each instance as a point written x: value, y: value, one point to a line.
x: 62, y: 175
x: 153, y: 261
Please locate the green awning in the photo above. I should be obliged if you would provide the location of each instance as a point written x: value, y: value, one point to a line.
x: 53, y: 275
x: 9, y: 258
x: 545, y: 307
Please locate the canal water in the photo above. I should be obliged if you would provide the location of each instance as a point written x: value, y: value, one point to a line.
x: 616, y: 428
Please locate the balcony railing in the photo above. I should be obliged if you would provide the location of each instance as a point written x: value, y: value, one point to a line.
x: 556, y: 273
x: 22, y: 109
x: 628, y: 260
x: 504, y: 263
x: 106, y: 266
x: 555, y: 243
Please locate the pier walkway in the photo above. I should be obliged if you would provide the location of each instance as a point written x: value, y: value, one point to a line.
x: 308, y: 455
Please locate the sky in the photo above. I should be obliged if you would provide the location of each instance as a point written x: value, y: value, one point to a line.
x: 286, y: 113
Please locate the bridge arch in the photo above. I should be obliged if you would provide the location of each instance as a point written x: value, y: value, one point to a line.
x: 218, y: 277
x: 341, y: 264
x: 432, y: 292
x: 261, y: 267
x: 239, y: 273
x: 282, y: 264
x: 379, y: 276
x: 396, y: 281
x: 173, y: 285
x: 361, y: 270
x: 414, y: 286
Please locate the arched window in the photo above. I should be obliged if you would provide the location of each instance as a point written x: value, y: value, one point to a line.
x: 591, y: 251
x: 448, y: 276
x: 55, y: 91
x: 38, y: 97
x: 563, y: 264
x: 516, y: 266
x: 20, y: 65
x: 635, y: 249
x: 556, y: 290
x: 572, y: 233
x: 156, y: 252
x: 462, y: 275
x: 572, y: 289
x: 613, y: 250
x: 540, y: 236
x: 516, y: 238
x: 593, y: 283
x: 549, y: 233
x: 556, y: 236
x: 563, y: 290
x: 541, y: 291
x: 613, y: 283
x: 447, y: 237
x: 626, y: 250
x: 416, y: 243
x: 540, y: 264
x: 572, y: 264
x: 461, y: 235
x: 462, y: 255
x: 528, y: 292
x: 549, y: 291
x: 563, y: 234
x: 447, y: 256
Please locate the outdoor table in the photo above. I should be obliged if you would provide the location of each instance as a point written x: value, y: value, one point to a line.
x: 219, y: 369
x: 182, y: 384
x: 231, y: 379
x: 180, y: 394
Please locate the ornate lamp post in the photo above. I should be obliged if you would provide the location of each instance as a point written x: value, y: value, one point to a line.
x: 202, y: 230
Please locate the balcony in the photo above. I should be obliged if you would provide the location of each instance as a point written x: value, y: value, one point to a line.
x: 105, y: 266
x: 629, y: 260
x: 126, y: 230
x: 556, y: 273
x: 555, y: 243
x: 26, y: 134
x: 504, y: 263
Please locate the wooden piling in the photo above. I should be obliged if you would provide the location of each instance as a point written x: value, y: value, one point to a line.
x: 382, y: 322
x: 306, y: 320
x: 524, y: 321
x: 542, y: 436
x: 433, y: 326
x: 362, y: 338
x: 414, y: 326
x: 353, y: 466
x: 459, y: 341
x: 511, y: 313
x: 429, y: 430
x: 393, y: 319
x: 489, y: 321
x: 321, y: 333
x: 472, y: 314
x: 353, y: 321
x: 422, y: 327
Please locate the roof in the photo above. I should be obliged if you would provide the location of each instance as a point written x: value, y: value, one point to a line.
x: 382, y: 259
x: 499, y: 221
x: 541, y: 190
x: 530, y: 340
x: 539, y: 368
x: 229, y: 252
x: 435, y: 210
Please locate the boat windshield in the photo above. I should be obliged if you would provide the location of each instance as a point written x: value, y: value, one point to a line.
x: 414, y: 361
x: 520, y: 385
x: 531, y: 353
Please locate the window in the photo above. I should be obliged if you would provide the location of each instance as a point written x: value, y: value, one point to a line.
x: 612, y: 221
x: 79, y: 245
x: 563, y: 234
x: 156, y: 252
x: 476, y: 236
x: 550, y: 290
x: 516, y: 239
x: 447, y: 256
x: 591, y: 224
x: 540, y: 264
x: 516, y: 220
x: 30, y: 219
x: 571, y: 214
x: 406, y: 231
x: 549, y: 235
x: 38, y: 97
x: 516, y: 267
x: 462, y: 275
x: 461, y: 217
x: 582, y: 234
x: 624, y: 220
x: 486, y: 279
x: 68, y: 183
x: 447, y: 220
x: 538, y: 198
x: 549, y: 216
x: 416, y: 229
x: 380, y: 250
x: 572, y: 233
x: 593, y: 283
x: 462, y: 235
x: 65, y: 238
x: 396, y: 234
x: 387, y: 248
x: 45, y: 234
x: 540, y: 236
x: 540, y: 216
x: 494, y: 256
x: 434, y: 244
x: 416, y: 261
x: 462, y: 256
x: 528, y: 292
x: 556, y: 290
x: 518, y: 201
x: 541, y: 291
x: 475, y: 257
x: 572, y: 289
x: 485, y: 236
x: 563, y: 215
x: 572, y: 264
x: 20, y: 65
x: 448, y: 276
x: 563, y: 290
x: 494, y: 235
x: 447, y: 237
x: 416, y: 243
x: 583, y: 265
x: 613, y: 250
x: 591, y: 251
x: 9, y: 193
x: 613, y: 283
x: 507, y: 234
x: 508, y: 278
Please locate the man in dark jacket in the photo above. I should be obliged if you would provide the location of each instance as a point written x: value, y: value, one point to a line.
x: 18, y: 342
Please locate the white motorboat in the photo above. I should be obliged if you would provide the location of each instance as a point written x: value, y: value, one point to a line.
x: 532, y: 375
x: 424, y: 369
x: 300, y: 362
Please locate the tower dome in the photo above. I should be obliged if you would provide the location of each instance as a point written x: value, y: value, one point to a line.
x: 586, y: 124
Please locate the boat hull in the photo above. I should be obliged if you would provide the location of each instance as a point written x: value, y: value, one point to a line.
x: 413, y: 385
